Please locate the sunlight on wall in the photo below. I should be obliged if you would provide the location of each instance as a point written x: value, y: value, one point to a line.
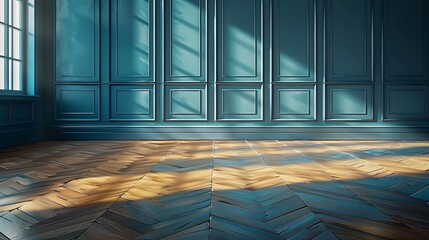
x: 133, y: 34
x: 241, y: 50
x: 186, y: 41
x: 290, y: 66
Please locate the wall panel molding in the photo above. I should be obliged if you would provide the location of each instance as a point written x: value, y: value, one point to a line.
x: 349, y: 103
x: 293, y: 103
x: 404, y: 102
x: 23, y: 135
x: 77, y: 103
x: 132, y: 103
x: 132, y: 38
x: 239, y: 40
x: 239, y: 103
x: 349, y: 40
x: 22, y: 112
x: 185, y: 103
x: 238, y: 133
x: 293, y: 40
x: 77, y: 54
x: 406, y: 48
x: 4, y: 112
x: 20, y: 120
x: 185, y: 40
x: 275, y: 69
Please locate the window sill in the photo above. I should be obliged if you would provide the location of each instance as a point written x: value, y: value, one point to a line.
x: 4, y: 96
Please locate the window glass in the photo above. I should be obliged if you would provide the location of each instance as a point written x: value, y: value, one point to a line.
x: 2, y: 73
x: 10, y: 43
x: 30, y: 17
x: 2, y: 35
x: 17, y: 75
x: 10, y: 11
x: 17, y: 44
x: 10, y: 76
x: 2, y: 8
x: 17, y: 13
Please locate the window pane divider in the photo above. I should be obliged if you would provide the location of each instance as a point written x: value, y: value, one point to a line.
x: 16, y: 30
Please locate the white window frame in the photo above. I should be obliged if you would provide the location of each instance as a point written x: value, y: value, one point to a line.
x: 9, y: 42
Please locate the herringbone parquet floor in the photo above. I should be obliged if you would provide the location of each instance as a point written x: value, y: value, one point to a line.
x: 215, y: 190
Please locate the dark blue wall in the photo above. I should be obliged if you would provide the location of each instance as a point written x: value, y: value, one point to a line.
x: 21, y: 117
x: 290, y: 69
x: 20, y: 120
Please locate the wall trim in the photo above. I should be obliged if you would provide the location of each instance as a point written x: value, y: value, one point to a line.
x: 11, y: 138
x: 193, y: 133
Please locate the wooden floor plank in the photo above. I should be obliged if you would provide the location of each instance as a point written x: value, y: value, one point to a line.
x: 215, y: 190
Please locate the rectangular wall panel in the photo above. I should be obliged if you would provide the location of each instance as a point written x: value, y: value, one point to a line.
x: 348, y: 40
x: 286, y: 64
x: 77, y: 103
x: 293, y: 40
x: 345, y: 102
x: 132, y: 40
x: 239, y: 40
x: 185, y: 34
x: 406, y: 47
x: 22, y: 112
x: 239, y: 103
x: 293, y: 103
x: 77, y: 40
x: 185, y: 102
x: 404, y: 102
x: 132, y: 103
x: 4, y: 113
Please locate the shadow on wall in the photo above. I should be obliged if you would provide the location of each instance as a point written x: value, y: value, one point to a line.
x: 133, y: 30
x: 240, y: 49
x: 79, y: 46
x: 186, y: 46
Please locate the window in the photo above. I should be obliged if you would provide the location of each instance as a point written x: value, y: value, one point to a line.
x: 16, y: 46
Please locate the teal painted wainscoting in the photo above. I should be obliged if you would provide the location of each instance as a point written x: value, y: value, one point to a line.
x: 21, y: 115
x: 232, y: 69
x: 20, y: 120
